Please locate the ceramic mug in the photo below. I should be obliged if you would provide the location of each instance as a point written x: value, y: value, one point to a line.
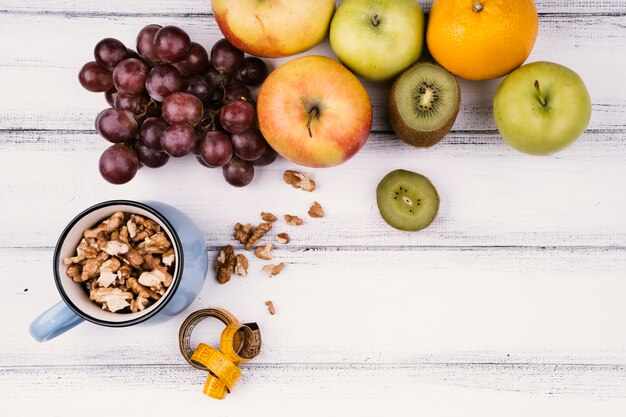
x: 76, y: 307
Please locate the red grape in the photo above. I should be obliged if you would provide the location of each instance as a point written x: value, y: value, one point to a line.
x: 195, y: 62
x: 249, y: 145
x: 95, y: 78
x: 109, y: 52
x: 238, y: 173
x: 237, y: 116
x: 268, y: 157
x: 132, y: 54
x: 216, y: 149
x: 162, y: 81
x: 118, y: 164
x: 252, y: 72
x: 182, y: 108
x: 116, y: 126
x: 214, y: 76
x: 110, y: 95
x: 171, y: 44
x: 225, y: 57
x: 178, y: 140
x: 204, y: 164
x: 150, y: 157
x: 150, y: 133
x: 199, y: 87
x: 236, y: 90
x: 145, y: 43
x: 130, y: 103
x: 129, y: 77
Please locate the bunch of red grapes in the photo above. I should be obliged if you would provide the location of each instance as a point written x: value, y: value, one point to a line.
x: 171, y: 99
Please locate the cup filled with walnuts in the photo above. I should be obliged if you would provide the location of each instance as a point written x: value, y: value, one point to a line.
x: 120, y: 263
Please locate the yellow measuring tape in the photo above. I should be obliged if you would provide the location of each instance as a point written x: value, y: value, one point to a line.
x: 239, y: 343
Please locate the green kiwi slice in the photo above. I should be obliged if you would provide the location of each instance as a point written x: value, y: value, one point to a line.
x: 423, y: 104
x: 407, y: 200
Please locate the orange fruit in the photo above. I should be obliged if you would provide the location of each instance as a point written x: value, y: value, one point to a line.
x: 481, y: 39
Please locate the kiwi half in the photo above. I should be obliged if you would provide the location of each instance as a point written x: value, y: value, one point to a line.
x: 407, y: 200
x: 423, y: 104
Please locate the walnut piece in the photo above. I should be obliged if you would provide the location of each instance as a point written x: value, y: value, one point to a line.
x: 316, y: 211
x: 241, y: 265
x: 257, y: 234
x: 273, y: 270
x: 268, y: 217
x: 112, y: 299
x: 293, y: 220
x: 225, y: 264
x: 242, y: 232
x: 110, y: 264
x: 157, y: 243
x: 299, y: 180
x: 141, y: 290
x: 263, y: 252
x: 168, y: 257
x: 270, y: 307
x: 283, y: 238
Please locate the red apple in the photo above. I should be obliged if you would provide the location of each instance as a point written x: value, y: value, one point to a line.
x: 314, y: 112
x: 271, y: 28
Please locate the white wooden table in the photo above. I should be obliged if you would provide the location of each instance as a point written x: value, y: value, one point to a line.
x: 512, y: 304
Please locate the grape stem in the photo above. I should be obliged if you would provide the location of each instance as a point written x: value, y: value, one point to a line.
x: 542, y: 99
x: 477, y: 7
x: 312, y: 114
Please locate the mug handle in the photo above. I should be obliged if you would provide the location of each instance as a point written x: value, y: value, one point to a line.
x: 54, y: 321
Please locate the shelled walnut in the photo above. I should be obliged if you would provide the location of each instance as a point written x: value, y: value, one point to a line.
x: 125, y: 263
x: 299, y: 180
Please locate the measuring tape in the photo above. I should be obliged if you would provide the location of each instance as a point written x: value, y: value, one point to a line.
x: 239, y: 343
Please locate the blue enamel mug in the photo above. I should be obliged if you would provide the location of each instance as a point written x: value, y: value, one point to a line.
x: 189, y: 273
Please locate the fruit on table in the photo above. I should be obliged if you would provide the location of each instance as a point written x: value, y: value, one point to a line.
x: 423, y: 104
x: 407, y: 200
x: 481, y: 39
x: 168, y: 100
x: 314, y: 112
x: 271, y: 28
x: 378, y: 39
x: 542, y: 108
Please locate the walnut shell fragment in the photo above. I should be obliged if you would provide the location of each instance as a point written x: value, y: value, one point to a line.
x: 316, y: 211
x: 225, y: 264
x: 293, y: 220
x: 257, y: 234
x: 263, y: 252
x: 268, y: 217
x: 299, y: 180
x: 273, y: 270
x: 283, y: 238
x: 241, y: 265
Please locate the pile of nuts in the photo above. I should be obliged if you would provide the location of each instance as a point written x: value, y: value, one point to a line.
x: 229, y: 263
x: 125, y: 263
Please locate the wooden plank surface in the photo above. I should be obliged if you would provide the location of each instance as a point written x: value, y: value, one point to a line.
x: 491, y: 194
x: 581, y: 42
x: 511, y: 304
x: 202, y: 7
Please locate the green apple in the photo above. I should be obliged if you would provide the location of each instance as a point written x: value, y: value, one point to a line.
x: 541, y: 108
x: 378, y: 39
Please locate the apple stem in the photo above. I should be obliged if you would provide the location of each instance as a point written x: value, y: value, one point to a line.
x: 477, y: 6
x: 542, y: 99
x: 312, y: 114
x: 375, y: 20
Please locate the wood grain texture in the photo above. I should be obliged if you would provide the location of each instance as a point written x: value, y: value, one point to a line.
x: 491, y: 306
x: 202, y: 7
x: 511, y: 304
x: 50, y: 65
x: 364, y: 390
x: 491, y: 194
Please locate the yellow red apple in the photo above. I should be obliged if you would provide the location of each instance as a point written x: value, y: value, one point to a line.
x: 314, y: 112
x: 274, y: 28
